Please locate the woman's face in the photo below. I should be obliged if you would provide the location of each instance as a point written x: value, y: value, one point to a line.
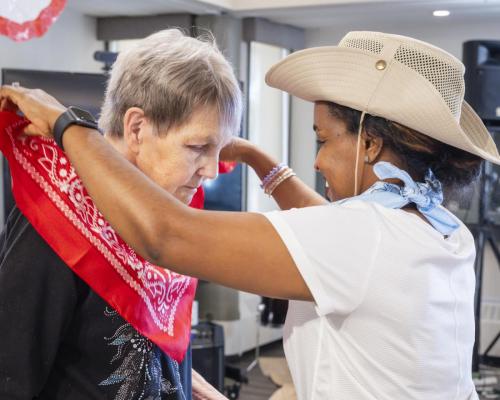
x: 336, y: 157
x: 182, y: 158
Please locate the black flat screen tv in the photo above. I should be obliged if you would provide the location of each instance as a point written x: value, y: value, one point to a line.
x: 72, y: 89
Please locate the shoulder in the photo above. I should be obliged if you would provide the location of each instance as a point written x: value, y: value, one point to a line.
x: 348, y: 216
x: 331, y: 229
x: 355, y: 207
x: 18, y: 232
x: 25, y: 251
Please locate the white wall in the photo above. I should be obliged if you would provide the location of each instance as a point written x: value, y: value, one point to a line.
x: 448, y: 34
x: 302, y: 140
x: 68, y: 45
x: 267, y: 121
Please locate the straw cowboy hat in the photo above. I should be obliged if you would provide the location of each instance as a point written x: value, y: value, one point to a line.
x: 396, y: 77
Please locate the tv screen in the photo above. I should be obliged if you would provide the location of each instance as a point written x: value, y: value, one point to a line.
x: 72, y: 89
x: 225, y: 192
x: 86, y: 91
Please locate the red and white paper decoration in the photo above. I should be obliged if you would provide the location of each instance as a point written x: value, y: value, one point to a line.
x: 22, y: 20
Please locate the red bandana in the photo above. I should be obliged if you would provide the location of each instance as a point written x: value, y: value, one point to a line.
x: 155, y: 301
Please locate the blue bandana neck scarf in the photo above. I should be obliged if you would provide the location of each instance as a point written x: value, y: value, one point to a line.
x: 426, y: 196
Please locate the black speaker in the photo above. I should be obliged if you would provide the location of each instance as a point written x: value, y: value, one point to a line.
x: 482, y: 78
x: 273, y: 312
x: 207, y: 344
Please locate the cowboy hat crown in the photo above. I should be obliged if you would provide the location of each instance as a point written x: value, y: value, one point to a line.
x: 405, y: 80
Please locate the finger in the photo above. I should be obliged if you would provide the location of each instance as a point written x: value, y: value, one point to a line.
x: 30, y: 130
x: 13, y: 93
x: 33, y: 130
x: 7, y: 105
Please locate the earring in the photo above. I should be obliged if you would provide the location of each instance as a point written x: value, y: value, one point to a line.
x: 367, y: 161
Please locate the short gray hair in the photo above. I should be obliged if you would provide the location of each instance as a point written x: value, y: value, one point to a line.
x: 168, y: 75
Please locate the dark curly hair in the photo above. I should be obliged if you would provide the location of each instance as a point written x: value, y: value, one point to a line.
x: 455, y: 168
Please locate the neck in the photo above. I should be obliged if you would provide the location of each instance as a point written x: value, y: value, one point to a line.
x: 119, y: 145
x: 369, y: 177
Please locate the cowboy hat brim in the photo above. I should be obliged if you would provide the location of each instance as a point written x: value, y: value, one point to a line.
x: 354, y: 78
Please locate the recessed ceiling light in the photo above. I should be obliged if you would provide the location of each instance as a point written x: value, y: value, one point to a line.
x: 441, y: 13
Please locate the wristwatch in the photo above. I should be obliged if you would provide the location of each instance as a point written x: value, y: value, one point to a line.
x: 72, y: 116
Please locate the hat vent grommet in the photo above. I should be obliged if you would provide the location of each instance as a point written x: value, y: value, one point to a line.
x: 380, y: 65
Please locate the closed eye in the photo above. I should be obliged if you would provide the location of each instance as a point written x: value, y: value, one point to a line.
x: 197, y: 147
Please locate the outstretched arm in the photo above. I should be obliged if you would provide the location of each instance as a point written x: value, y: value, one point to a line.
x: 239, y: 250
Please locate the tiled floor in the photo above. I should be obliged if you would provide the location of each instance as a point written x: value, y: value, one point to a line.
x: 259, y: 387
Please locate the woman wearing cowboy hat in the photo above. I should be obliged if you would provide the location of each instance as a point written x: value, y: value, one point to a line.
x: 381, y: 280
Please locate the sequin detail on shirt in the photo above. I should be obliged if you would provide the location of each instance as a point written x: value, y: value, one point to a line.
x: 139, y: 373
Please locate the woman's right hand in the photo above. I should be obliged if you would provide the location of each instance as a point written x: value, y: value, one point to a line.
x: 39, y: 107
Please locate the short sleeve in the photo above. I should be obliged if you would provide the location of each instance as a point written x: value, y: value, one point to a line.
x: 334, y: 247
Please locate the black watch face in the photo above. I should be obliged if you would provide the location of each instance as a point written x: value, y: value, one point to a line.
x: 83, y: 115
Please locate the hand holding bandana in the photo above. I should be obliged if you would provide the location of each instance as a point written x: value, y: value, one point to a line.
x: 155, y: 301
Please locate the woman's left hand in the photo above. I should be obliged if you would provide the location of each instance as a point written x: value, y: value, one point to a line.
x: 38, y: 106
x: 236, y: 150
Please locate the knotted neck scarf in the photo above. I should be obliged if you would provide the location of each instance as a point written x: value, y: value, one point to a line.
x: 427, y: 196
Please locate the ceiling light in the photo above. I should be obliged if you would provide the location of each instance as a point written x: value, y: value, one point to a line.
x: 441, y: 13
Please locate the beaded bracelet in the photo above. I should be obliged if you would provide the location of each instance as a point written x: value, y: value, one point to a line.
x: 287, y: 173
x: 272, y: 174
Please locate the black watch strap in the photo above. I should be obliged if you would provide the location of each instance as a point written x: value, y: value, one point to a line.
x: 72, y: 116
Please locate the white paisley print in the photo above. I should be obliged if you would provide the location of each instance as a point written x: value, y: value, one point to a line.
x: 161, y: 290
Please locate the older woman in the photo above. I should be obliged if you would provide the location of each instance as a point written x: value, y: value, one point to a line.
x: 111, y: 329
x: 381, y: 280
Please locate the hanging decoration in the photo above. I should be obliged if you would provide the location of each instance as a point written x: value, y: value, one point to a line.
x: 22, y: 20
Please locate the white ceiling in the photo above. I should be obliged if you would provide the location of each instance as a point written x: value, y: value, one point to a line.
x: 109, y: 8
x: 301, y: 13
x: 398, y: 12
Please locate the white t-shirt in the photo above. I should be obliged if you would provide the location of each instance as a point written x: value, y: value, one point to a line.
x: 393, y: 314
